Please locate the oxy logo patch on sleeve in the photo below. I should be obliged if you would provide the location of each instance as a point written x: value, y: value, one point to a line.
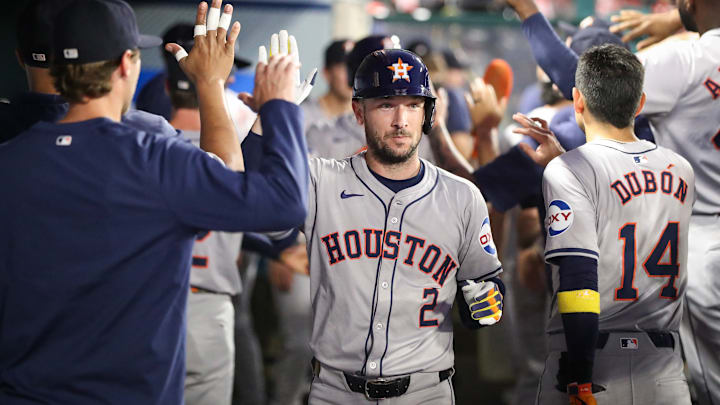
x: 559, y: 217
x: 486, y: 239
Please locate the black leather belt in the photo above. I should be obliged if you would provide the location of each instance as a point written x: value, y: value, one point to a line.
x: 659, y: 339
x: 382, y: 388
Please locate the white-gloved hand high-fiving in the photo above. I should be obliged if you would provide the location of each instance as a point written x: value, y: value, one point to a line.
x: 211, y: 58
x: 282, y: 44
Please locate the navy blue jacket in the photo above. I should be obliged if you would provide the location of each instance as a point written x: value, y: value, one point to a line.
x: 98, y: 222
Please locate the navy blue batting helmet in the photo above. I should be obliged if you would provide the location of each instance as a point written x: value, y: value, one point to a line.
x: 395, y: 72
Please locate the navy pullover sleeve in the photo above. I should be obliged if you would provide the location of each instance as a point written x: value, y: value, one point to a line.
x: 557, y: 60
x: 252, y: 151
x: 204, y: 194
x: 267, y: 247
x: 509, y: 179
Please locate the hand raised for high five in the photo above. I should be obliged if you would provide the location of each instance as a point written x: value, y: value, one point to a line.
x: 282, y: 45
x: 548, y: 149
x: 211, y: 58
x: 635, y: 24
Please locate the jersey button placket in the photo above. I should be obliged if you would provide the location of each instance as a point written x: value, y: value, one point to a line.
x: 380, y: 327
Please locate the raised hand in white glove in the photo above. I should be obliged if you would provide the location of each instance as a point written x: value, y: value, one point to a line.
x: 283, y: 44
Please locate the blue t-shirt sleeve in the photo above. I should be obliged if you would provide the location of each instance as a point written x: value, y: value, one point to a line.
x: 642, y: 129
x: 557, y: 60
x: 458, y: 117
x: 566, y: 129
x: 509, y: 179
x: 151, y: 123
x: 204, y: 194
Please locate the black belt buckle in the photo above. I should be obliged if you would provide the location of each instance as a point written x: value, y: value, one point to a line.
x: 384, y: 385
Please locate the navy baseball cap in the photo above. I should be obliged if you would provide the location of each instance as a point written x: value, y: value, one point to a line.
x: 363, y: 48
x: 34, y: 31
x: 586, y: 38
x: 337, y: 52
x: 97, y: 30
x: 181, y: 34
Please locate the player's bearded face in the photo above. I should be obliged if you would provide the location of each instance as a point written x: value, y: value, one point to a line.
x: 393, y: 127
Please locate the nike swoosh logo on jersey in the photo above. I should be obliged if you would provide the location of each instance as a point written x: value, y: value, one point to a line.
x: 343, y: 195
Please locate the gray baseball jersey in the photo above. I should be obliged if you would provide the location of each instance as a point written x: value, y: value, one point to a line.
x: 683, y: 114
x: 627, y: 205
x: 214, y: 255
x: 683, y: 108
x: 384, y: 266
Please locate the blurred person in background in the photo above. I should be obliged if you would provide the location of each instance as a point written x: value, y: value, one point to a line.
x: 330, y: 126
x: 458, y: 119
x: 552, y: 102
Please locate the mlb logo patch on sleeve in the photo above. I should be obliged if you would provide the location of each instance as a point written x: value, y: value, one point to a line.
x: 63, y: 140
x: 629, y: 343
x: 560, y: 217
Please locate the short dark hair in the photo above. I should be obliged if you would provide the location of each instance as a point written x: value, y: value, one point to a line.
x: 183, y: 99
x: 92, y: 80
x: 610, y: 78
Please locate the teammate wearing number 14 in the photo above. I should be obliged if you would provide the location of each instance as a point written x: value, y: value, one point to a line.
x: 618, y: 211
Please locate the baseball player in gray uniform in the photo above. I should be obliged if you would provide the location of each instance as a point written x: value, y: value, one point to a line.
x: 214, y: 276
x: 618, y: 212
x: 390, y: 236
x: 683, y: 115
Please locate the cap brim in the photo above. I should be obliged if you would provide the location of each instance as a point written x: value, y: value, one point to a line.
x: 241, y: 63
x: 149, y: 41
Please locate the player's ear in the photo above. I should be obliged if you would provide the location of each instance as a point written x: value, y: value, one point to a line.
x: 19, y: 59
x: 641, y: 104
x: 128, y: 63
x: 578, y: 101
x: 359, y: 111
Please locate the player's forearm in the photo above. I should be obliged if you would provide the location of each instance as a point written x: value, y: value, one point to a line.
x: 217, y: 132
x: 486, y: 151
x: 447, y: 156
x: 284, y: 158
x: 557, y: 60
x: 579, y: 306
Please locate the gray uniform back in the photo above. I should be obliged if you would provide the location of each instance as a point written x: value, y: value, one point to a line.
x: 214, y: 265
x: 384, y: 266
x: 627, y: 205
x: 683, y: 108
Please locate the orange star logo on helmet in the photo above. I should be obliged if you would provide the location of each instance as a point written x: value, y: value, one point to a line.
x: 401, y: 70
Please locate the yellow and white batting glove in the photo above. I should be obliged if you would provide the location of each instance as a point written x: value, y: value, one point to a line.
x: 284, y: 44
x: 485, y: 300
